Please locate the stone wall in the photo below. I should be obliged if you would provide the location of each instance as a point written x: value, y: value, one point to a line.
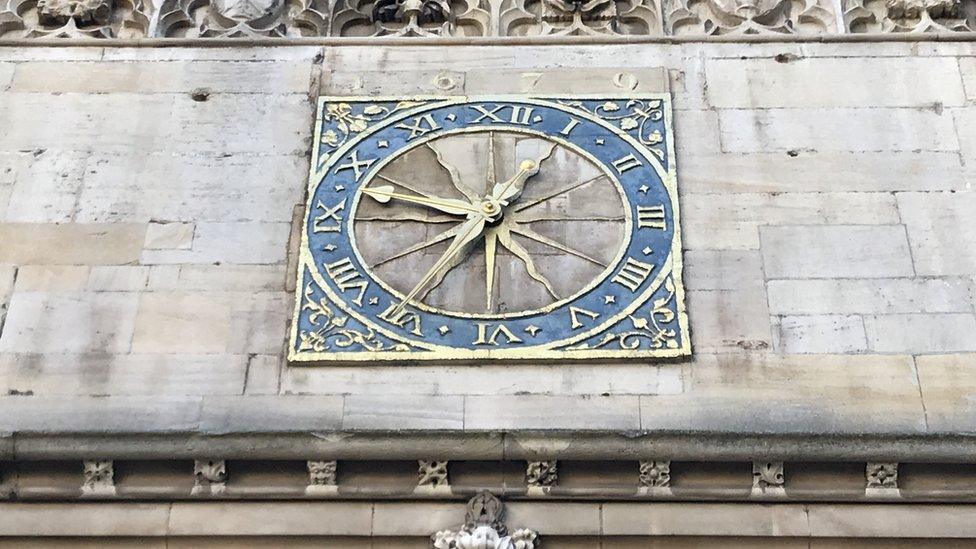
x: 147, y: 197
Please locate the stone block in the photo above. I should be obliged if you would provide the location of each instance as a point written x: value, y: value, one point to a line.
x: 44, y: 185
x: 53, y: 54
x: 724, y: 320
x: 551, y: 412
x: 558, y: 81
x: 722, y: 270
x: 231, y: 278
x: 704, y: 519
x: 108, y: 77
x: 947, y: 386
x: 834, y: 82
x: 211, y: 322
x: 52, y: 278
x: 6, y: 74
x: 121, y: 414
x: 240, y: 243
x: 566, y: 519
x: 921, y: 333
x: 71, y: 243
x: 771, y: 393
x: 836, y: 251
x: 966, y: 127
x: 869, y: 296
x: 256, y: 414
x: 821, y: 334
x: 193, y: 187
x: 8, y: 274
x: 275, y: 124
x: 967, y: 67
x: 842, y: 129
x: 809, y: 171
x: 169, y: 236
x: 416, y: 518
x: 271, y: 519
x: 384, y: 83
x: 263, y: 375
x: 237, y: 53
x: 69, y: 322
x: 892, y: 521
x: 941, y: 230
x: 71, y: 519
x: 387, y: 412
x: 121, y: 375
x: 696, y: 133
x: 118, y: 278
x: 506, y: 379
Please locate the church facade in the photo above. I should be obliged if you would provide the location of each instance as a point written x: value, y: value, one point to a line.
x: 487, y: 273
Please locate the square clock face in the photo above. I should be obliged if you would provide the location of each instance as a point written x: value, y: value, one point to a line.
x: 510, y: 228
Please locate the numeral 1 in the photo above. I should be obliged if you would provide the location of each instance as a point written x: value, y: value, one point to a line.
x: 346, y: 277
x: 651, y: 217
x: 489, y: 336
x: 633, y: 274
x: 569, y: 127
x: 626, y: 163
x: 401, y: 318
x: 521, y: 115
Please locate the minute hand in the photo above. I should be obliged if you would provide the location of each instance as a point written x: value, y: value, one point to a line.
x: 384, y: 193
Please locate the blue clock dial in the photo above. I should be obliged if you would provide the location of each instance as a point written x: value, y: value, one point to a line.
x: 482, y: 228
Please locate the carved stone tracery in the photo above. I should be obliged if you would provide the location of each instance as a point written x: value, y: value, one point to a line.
x: 408, y: 18
x: 484, y: 528
x: 882, y: 475
x: 767, y: 474
x: 99, y: 478
x: 244, y: 18
x: 889, y: 16
x: 726, y: 17
x: 432, y: 473
x: 655, y: 474
x: 581, y: 17
x: 541, y: 473
x: 75, y: 18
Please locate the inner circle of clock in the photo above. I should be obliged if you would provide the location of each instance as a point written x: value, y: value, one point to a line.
x: 490, y: 223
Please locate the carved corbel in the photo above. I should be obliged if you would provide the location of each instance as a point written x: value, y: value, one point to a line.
x: 484, y: 527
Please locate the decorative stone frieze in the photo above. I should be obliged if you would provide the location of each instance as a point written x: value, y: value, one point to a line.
x: 484, y: 527
x: 209, y: 477
x: 888, y: 16
x: 409, y: 18
x: 655, y: 474
x: 541, y: 474
x: 882, y: 476
x: 322, y: 477
x: 75, y: 18
x: 728, y: 17
x: 99, y: 478
x: 767, y: 475
x: 581, y: 18
x: 244, y: 18
x: 432, y: 474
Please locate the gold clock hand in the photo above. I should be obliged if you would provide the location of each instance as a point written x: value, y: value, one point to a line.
x: 470, y: 231
x: 507, y: 191
x: 384, y: 193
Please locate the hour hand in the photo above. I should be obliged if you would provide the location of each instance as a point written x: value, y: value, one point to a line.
x: 385, y: 193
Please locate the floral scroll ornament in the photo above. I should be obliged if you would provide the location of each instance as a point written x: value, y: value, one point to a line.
x: 636, y: 114
x: 331, y: 331
x: 484, y: 528
x: 343, y: 122
x: 650, y: 329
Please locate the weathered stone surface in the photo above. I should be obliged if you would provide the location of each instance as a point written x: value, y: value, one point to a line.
x: 551, y: 412
x: 52, y: 278
x: 71, y: 243
x: 842, y: 129
x: 192, y: 188
x: 947, y: 383
x: 210, y: 322
x: 100, y: 374
x: 277, y: 124
x: 230, y: 278
x: 821, y: 334
x: 890, y: 520
x: 263, y: 375
x: 255, y: 414
x: 7, y: 275
x: 403, y: 412
x: 240, y: 53
x: 869, y: 296
x: 503, y: 379
x: 43, y: 185
x: 848, y: 251
x: 392, y: 82
x: 69, y: 322
x: 834, y: 82
x: 803, y: 170
x: 921, y: 333
x: 769, y: 393
x: 118, y: 414
x: 729, y: 320
x: 118, y: 278
x: 722, y: 270
x: 169, y: 236
x: 162, y: 77
x: 941, y: 230
x: 6, y: 75
x: 967, y: 66
x: 247, y: 243
x: 240, y: 518
x: 563, y: 81
x: 621, y: 519
x: 105, y: 519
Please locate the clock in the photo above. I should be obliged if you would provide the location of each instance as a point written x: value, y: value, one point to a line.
x: 502, y: 228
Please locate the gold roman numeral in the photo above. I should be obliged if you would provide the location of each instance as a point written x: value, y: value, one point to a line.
x: 355, y: 164
x: 521, y: 115
x: 574, y: 313
x: 632, y: 274
x: 323, y: 223
x: 651, y: 217
x: 402, y: 318
x: 628, y: 162
x: 422, y: 125
x: 346, y: 277
x: 569, y: 127
x: 489, y: 336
